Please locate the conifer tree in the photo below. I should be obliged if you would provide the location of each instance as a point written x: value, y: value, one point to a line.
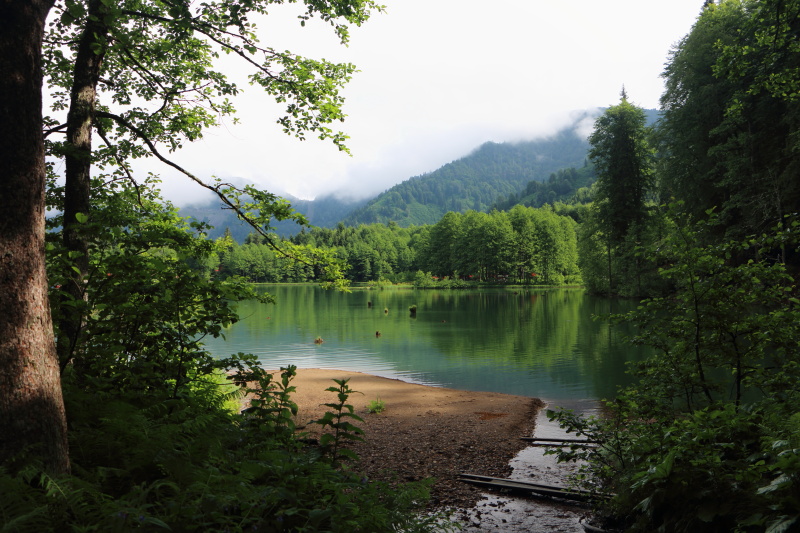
x: 622, y: 158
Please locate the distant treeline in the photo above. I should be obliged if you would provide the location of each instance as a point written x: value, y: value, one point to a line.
x: 524, y: 245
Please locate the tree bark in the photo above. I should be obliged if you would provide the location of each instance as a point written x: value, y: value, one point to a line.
x: 32, y: 416
x: 78, y: 159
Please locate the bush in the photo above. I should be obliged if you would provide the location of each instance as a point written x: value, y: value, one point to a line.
x: 708, y: 439
x: 153, y: 443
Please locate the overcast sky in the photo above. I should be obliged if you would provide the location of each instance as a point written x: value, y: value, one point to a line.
x: 438, y: 78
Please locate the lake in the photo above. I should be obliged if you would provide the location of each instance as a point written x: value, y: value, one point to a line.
x: 533, y: 342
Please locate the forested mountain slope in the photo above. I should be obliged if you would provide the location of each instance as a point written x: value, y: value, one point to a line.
x: 476, y: 181
x: 494, y: 175
x: 567, y: 185
x: 324, y: 212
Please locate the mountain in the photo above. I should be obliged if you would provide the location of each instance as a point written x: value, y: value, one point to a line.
x: 324, y: 212
x: 477, y: 181
x: 493, y: 175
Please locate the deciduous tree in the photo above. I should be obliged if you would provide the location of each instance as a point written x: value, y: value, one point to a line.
x: 146, y: 76
x: 142, y: 76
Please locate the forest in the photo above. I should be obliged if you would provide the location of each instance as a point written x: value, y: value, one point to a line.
x: 113, y: 416
x: 524, y: 245
x: 473, y: 182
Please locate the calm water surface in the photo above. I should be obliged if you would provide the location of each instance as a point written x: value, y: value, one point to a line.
x: 535, y: 342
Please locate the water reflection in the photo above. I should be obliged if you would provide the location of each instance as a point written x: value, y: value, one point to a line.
x: 532, y: 342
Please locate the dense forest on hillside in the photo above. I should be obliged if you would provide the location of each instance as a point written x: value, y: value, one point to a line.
x: 493, y: 176
x: 567, y: 185
x: 473, y: 182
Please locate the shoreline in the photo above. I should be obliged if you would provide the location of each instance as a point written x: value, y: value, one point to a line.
x: 424, y: 431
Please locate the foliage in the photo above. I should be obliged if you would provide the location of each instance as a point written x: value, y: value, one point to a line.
x: 271, y: 409
x: 152, y: 442
x: 690, y: 169
x: 730, y: 128
x: 141, y: 75
x: 709, y: 410
x: 338, y: 421
x: 526, y: 245
x: 143, y: 330
x: 376, y: 406
x: 185, y: 467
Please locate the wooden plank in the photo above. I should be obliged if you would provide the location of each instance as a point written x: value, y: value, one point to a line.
x: 576, y: 441
x: 533, y: 488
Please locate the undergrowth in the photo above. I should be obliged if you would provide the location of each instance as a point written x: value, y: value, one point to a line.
x: 154, y: 442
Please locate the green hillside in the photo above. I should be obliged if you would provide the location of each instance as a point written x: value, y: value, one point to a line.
x: 492, y: 172
x: 566, y: 185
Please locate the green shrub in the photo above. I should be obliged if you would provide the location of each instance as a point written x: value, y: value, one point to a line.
x: 154, y: 445
x: 707, y: 440
x: 376, y: 406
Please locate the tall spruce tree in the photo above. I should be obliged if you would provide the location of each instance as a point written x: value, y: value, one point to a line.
x: 622, y: 158
x: 623, y: 161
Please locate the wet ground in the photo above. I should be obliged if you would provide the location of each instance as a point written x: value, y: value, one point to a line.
x: 518, y: 514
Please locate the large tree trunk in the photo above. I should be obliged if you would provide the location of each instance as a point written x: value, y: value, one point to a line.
x: 77, y: 187
x: 31, y: 404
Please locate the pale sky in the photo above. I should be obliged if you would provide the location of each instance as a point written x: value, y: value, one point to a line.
x: 437, y: 79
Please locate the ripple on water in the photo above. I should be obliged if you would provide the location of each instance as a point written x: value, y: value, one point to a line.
x: 305, y: 355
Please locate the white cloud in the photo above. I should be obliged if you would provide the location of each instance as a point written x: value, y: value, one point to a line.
x: 438, y: 78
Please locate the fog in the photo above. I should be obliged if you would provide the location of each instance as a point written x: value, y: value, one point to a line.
x: 437, y: 79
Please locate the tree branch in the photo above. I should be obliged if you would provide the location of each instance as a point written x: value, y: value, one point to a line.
x: 120, y: 163
x: 55, y: 130
x: 215, y: 189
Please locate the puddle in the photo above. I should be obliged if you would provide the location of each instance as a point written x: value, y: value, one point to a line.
x: 517, y: 514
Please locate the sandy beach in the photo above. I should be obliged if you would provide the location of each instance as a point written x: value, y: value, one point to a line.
x: 425, y: 431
